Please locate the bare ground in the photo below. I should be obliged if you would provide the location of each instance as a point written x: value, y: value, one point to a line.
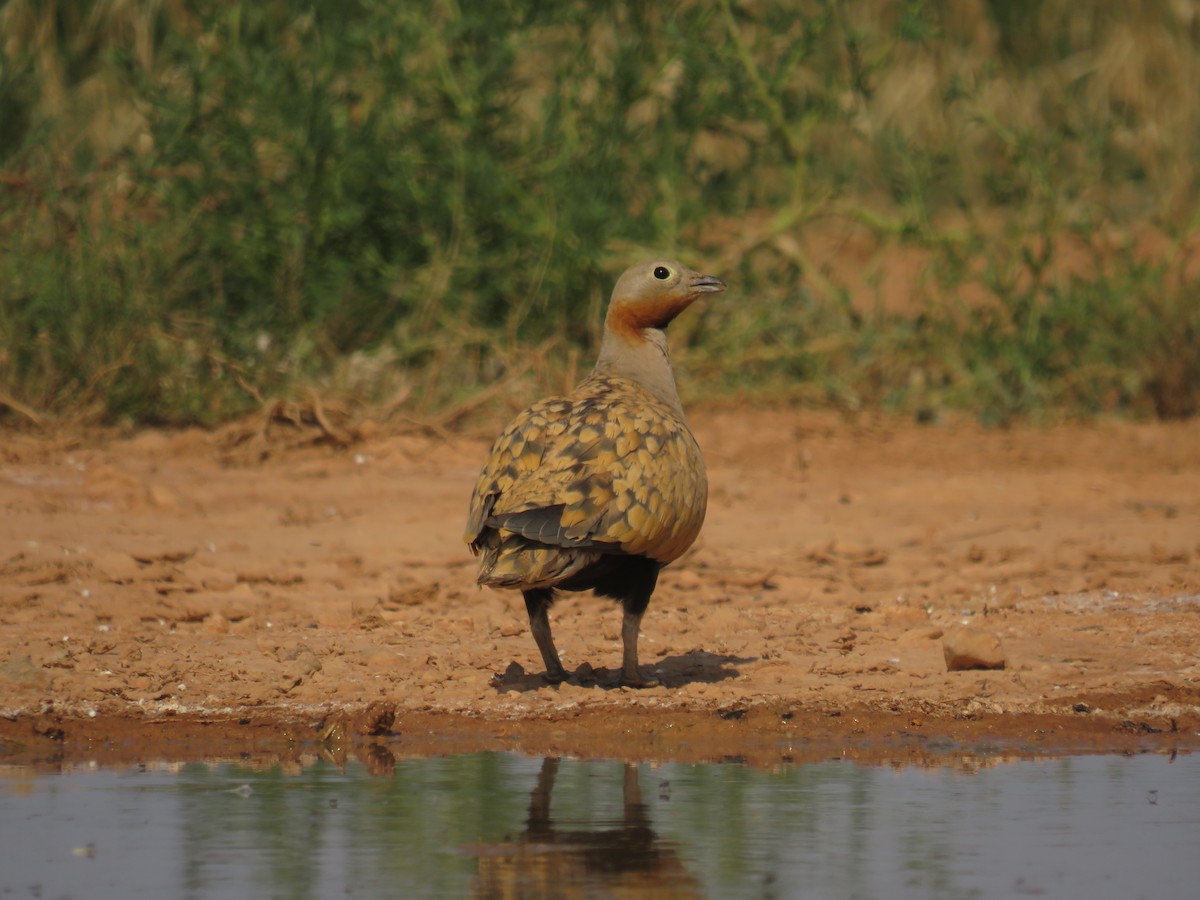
x: 196, y: 595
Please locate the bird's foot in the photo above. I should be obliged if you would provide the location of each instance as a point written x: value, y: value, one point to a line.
x: 555, y: 676
x: 635, y: 679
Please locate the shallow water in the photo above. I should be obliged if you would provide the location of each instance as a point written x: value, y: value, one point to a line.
x: 500, y: 825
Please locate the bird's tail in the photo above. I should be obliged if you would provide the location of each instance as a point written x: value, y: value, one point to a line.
x: 508, y: 560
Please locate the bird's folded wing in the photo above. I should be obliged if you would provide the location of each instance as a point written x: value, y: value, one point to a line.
x: 607, y: 467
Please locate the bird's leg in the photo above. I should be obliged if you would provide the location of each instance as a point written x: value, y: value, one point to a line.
x: 631, y: 675
x: 537, y: 604
x: 634, y: 604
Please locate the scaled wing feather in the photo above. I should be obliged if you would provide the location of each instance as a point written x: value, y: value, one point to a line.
x: 609, y: 467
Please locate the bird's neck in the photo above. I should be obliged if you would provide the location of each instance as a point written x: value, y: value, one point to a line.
x: 642, y: 357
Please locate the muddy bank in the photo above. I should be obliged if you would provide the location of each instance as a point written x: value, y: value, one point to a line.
x: 765, y: 736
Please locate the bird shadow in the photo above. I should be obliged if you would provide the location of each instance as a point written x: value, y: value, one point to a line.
x: 693, y: 667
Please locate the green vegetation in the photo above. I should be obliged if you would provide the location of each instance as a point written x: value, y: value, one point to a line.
x: 419, y: 207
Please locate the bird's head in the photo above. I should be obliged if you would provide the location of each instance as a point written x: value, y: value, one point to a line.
x: 651, y: 294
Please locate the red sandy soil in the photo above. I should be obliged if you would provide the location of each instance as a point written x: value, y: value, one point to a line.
x: 190, y: 595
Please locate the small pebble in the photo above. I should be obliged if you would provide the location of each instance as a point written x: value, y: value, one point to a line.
x: 972, y: 648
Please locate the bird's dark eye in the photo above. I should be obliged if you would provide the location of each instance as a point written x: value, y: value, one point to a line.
x: 662, y: 273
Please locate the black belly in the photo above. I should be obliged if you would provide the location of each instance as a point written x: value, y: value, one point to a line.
x: 620, y: 576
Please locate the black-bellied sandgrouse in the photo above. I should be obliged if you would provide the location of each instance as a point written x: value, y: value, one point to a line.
x: 600, y: 488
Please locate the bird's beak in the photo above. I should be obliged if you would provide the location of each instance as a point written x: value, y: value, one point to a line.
x: 707, y: 284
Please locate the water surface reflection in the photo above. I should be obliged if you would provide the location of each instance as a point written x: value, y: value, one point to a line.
x: 500, y: 825
x: 625, y: 858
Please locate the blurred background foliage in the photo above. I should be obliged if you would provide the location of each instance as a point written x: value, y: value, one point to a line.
x: 418, y: 208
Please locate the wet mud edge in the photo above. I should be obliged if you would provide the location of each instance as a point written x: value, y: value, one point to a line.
x: 763, y: 735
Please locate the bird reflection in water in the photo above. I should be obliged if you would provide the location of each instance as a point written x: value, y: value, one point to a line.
x: 625, y: 860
